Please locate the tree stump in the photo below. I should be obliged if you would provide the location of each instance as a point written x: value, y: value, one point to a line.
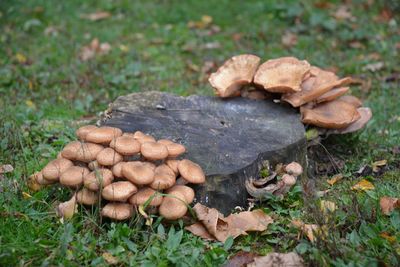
x: 229, y: 138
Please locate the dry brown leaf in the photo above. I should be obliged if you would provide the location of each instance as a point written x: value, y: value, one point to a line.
x: 234, y: 225
x: 388, y: 204
x: 388, y: 237
x: 110, y: 259
x: 310, y: 230
x: 335, y: 179
x: 343, y: 13
x: 240, y: 259
x: 289, y: 39
x: 205, y: 22
x: 363, y: 185
x: 327, y: 206
x: 199, y: 230
x: 278, y: 259
x: 96, y: 16
x: 377, y: 164
x: 6, y: 168
x: 94, y: 48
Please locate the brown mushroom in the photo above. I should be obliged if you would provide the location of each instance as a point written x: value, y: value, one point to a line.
x: 234, y: 74
x: 288, y: 179
x: 145, y: 194
x: 282, y: 75
x: 154, y: 151
x: 93, y: 180
x: 126, y: 145
x: 87, y: 197
x: 73, y: 176
x: 186, y: 191
x: 88, y: 152
x: 119, y: 191
x: 117, y: 211
x: 33, y: 183
x: 68, y: 208
x: 139, y: 173
x: 117, y: 169
x: 38, y: 176
x: 294, y: 169
x: 55, y: 168
x: 103, y: 135
x: 366, y: 115
x: 108, y: 157
x: 143, y: 138
x: 69, y: 151
x: 351, y: 100
x: 319, y: 83
x: 173, y: 164
x: 164, y: 178
x: 84, y: 130
x: 332, y: 94
x: 175, y: 150
x: 192, y: 172
x: 332, y: 115
x: 173, y: 206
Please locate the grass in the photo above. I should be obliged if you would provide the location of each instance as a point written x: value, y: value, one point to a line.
x: 46, y: 91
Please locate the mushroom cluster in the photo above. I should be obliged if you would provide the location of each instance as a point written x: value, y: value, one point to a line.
x: 122, y: 171
x: 320, y: 94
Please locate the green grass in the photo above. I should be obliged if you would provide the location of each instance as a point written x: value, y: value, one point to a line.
x: 45, y: 99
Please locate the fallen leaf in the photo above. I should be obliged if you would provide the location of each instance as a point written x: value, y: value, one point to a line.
x: 377, y: 164
x: 25, y: 195
x: 363, y: 185
x: 110, y: 259
x: 374, y: 67
x: 327, y: 206
x: 211, y: 45
x: 220, y: 227
x: 343, y: 13
x: 149, y: 219
x: 94, y: 48
x: 123, y: 48
x: 278, y: 259
x: 241, y: 258
x: 388, y: 237
x: 51, y: 31
x: 6, y: 168
x: 310, y: 230
x: 199, y: 230
x: 205, y: 21
x: 289, y: 39
x: 30, y: 104
x: 335, y: 179
x: 388, y: 204
x: 21, y: 58
x: 96, y: 16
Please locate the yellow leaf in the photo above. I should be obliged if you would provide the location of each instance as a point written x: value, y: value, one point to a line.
x: 308, y: 229
x: 30, y: 85
x: 327, y: 206
x: 206, y: 19
x: 25, y: 195
x: 388, y: 237
x: 110, y: 259
x: 377, y: 164
x: 149, y: 220
x: 363, y: 185
x: 21, y: 58
x: 30, y: 104
x: 124, y: 48
x: 335, y: 179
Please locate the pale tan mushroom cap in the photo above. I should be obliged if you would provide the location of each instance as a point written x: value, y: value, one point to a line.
x: 55, y: 168
x: 332, y: 94
x: 126, y: 145
x: 366, y: 115
x: 294, y: 169
x: 103, y: 135
x: 354, y: 101
x: 87, y: 197
x: 144, y: 195
x: 117, y: 211
x: 119, y: 191
x: 233, y: 74
x: 282, y: 75
x: 164, y: 178
x: 165, y: 142
x: 173, y: 164
x: 288, y: 179
x: 117, y: 169
x: 84, y: 130
x: 191, y: 171
x: 140, y: 173
x: 108, y: 157
x: 154, y: 151
x: 93, y: 180
x: 173, y: 206
x: 68, y: 208
x: 73, y: 176
x: 69, y: 151
x: 143, y: 138
x: 38, y: 177
x: 175, y: 150
x: 332, y: 115
x: 33, y: 184
x: 186, y: 191
x: 88, y: 152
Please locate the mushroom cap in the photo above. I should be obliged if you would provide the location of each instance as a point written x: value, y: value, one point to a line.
x: 173, y: 164
x: 55, y: 168
x: 186, y: 191
x: 143, y: 138
x: 117, y: 169
x: 332, y: 94
x: 294, y: 169
x: 175, y: 149
x: 173, y: 206
x: 117, y: 211
x: 165, y: 141
x: 144, y: 194
x: 289, y: 179
x: 282, y: 75
x: 319, y: 83
x: 33, y: 184
x: 332, y: 115
x: 138, y: 172
x: 126, y: 145
x: 69, y: 151
x: 103, y: 135
x: 87, y: 197
x: 73, y: 176
x: 84, y: 130
x: 164, y: 178
x: 366, y: 115
x: 93, y: 180
x: 93, y: 165
x: 192, y: 172
x: 119, y: 191
x: 88, y: 152
x: 38, y: 176
x: 233, y: 74
x: 68, y: 208
x: 154, y: 151
x: 108, y: 157
x: 351, y: 100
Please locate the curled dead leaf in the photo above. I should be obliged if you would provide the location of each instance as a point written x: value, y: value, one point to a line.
x: 335, y: 179
x: 310, y: 230
x: 363, y: 185
x: 110, y: 259
x: 100, y: 15
x: 388, y: 204
x: 242, y: 258
x: 278, y: 259
x: 327, y: 206
x: 377, y: 164
x: 6, y: 168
